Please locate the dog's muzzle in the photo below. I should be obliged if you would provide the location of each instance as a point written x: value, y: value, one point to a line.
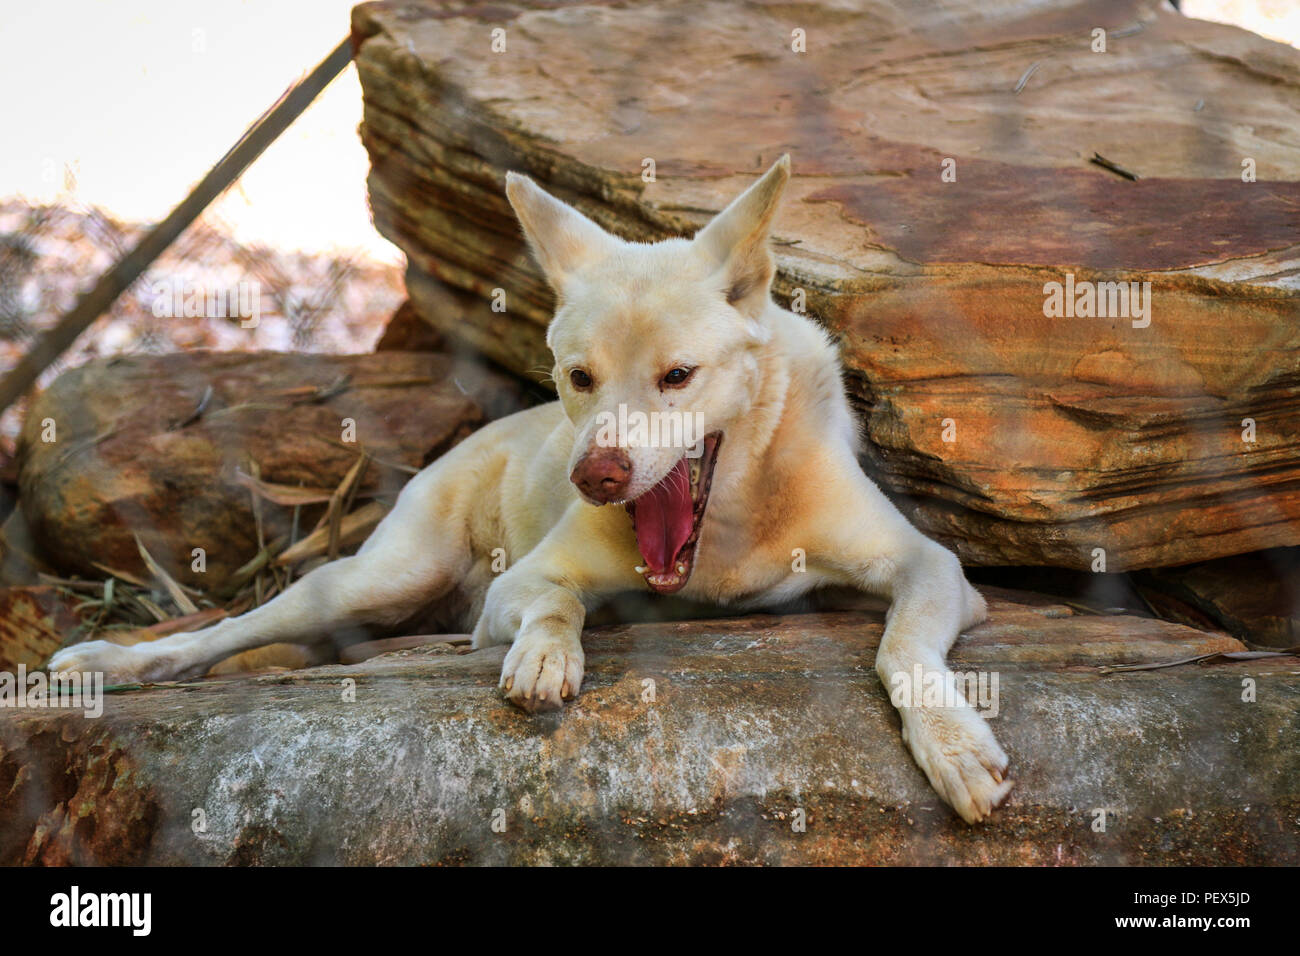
x: 603, y: 474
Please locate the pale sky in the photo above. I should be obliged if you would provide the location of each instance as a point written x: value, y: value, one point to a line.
x: 1276, y: 19
x: 141, y: 97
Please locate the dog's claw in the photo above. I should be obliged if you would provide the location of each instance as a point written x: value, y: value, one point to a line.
x: 541, y: 671
x: 961, y: 757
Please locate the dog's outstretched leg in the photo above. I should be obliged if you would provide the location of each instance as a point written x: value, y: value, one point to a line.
x: 539, y: 606
x: 413, y: 557
x: 930, y: 604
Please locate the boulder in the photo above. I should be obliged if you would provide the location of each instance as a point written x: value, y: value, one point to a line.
x: 756, y: 740
x: 132, y: 453
x: 1255, y: 597
x: 942, y: 183
x: 407, y: 332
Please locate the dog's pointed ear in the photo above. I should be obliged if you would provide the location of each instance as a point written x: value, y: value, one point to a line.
x: 736, y: 240
x: 562, y: 239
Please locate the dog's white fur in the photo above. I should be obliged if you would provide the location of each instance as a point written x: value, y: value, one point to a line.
x: 786, y: 478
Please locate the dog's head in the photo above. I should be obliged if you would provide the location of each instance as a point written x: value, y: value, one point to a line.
x: 656, y: 354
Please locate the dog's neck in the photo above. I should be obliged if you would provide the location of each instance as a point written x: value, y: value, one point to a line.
x: 749, y: 443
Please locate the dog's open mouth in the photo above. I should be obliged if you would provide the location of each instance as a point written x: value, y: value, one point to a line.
x: 667, y: 519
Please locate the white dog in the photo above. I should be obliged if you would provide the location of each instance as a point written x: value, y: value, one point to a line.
x: 701, y: 436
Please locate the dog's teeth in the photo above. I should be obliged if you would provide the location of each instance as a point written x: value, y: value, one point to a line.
x: 639, y: 569
x: 681, y: 569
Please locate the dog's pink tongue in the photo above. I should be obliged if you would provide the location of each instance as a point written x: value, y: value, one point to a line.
x: 664, y: 517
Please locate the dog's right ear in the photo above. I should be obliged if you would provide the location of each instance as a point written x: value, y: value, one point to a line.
x: 736, y: 241
x: 562, y: 239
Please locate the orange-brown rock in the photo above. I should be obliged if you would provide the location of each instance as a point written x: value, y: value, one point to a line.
x: 34, y: 623
x: 942, y: 181
x: 407, y: 332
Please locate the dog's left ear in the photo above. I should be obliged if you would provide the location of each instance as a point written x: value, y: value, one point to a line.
x: 562, y: 239
x: 736, y: 240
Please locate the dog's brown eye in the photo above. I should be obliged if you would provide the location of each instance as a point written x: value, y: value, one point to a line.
x: 580, y: 379
x: 678, y: 376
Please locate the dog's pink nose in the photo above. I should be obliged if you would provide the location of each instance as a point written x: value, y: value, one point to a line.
x: 602, y: 475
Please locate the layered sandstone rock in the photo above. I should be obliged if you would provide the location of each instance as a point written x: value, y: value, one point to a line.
x: 941, y: 182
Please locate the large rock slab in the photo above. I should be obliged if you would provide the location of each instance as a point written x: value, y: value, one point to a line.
x: 131, y: 454
x: 1068, y: 434
x: 756, y: 740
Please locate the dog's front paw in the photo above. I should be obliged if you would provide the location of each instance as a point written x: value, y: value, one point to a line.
x: 960, y: 755
x: 542, y: 671
x: 118, y: 663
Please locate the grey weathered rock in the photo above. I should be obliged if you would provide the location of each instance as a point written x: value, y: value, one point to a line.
x: 752, y: 720
x: 1071, y: 433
